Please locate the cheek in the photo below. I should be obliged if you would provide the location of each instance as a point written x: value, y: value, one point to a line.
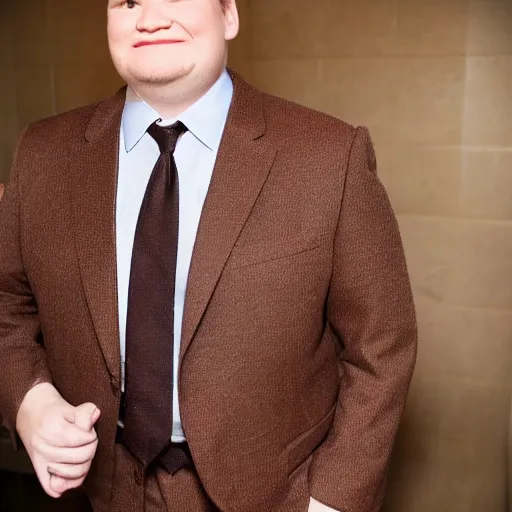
x: 200, y: 22
x: 119, y: 31
x: 207, y: 38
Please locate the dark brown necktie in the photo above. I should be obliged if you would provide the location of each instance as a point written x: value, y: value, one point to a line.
x: 150, y: 318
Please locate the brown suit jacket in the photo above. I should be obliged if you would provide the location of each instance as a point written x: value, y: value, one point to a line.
x: 299, y: 332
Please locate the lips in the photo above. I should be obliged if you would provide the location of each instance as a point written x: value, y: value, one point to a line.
x: 157, y: 42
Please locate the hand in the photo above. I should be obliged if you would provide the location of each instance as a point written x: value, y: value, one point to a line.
x: 60, y: 439
x: 316, y: 506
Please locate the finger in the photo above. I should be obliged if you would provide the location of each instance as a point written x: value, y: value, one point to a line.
x: 44, y: 479
x: 67, y: 435
x: 85, y: 415
x: 96, y: 416
x: 68, y: 412
x: 61, y: 485
x: 69, y: 471
x: 48, y: 489
x: 80, y: 455
x: 57, y: 429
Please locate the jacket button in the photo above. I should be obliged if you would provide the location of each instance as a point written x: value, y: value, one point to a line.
x: 114, y: 381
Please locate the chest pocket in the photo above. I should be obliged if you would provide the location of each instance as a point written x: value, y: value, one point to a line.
x: 265, y: 251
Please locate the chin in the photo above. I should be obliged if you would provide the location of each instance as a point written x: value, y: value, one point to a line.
x: 156, y: 75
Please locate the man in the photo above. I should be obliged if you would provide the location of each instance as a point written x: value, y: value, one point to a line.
x: 192, y: 219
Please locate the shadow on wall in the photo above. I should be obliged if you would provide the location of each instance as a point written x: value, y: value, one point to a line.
x: 412, y: 458
x: 422, y: 454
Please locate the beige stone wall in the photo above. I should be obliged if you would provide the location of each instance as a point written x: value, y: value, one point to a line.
x: 240, y: 49
x: 432, y: 79
x: 54, y: 57
x: 8, y: 114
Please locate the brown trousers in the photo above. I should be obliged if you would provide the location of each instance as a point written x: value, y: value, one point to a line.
x: 157, y: 492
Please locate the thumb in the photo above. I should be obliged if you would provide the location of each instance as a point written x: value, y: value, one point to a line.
x: 86, y: 415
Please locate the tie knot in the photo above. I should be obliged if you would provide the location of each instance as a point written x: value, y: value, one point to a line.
x: 167, y: 136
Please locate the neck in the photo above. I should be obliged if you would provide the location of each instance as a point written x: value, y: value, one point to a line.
x: 170, y: 100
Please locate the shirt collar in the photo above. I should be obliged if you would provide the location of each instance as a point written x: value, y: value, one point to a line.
x: 205, y: 119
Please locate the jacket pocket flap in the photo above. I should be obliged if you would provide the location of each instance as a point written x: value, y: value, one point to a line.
x: 303, y: 446
x: 252, y: 254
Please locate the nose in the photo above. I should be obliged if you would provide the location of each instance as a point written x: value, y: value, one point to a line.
x: 152, y: 18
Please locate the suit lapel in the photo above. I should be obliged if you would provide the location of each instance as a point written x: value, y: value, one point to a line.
x: 93, y: 175
x: 243, y: 162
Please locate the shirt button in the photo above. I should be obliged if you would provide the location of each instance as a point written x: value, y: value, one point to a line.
x: 137, y: 476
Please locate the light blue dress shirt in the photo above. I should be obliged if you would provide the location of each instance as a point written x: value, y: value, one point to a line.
x: 195, y: 156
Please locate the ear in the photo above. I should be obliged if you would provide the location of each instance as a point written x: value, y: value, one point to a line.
x: 231, y: 20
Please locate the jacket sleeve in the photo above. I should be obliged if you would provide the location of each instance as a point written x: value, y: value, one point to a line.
x: 22, y: 356
x: 371, y: 311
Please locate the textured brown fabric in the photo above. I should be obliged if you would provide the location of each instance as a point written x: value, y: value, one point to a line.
x: 299, y: 332
x: 150, y: 319
x: 157, y: 492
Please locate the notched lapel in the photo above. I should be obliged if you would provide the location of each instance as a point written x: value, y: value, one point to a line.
x: 243, y: 163
x: 93, y: 181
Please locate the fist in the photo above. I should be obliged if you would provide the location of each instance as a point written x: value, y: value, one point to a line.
x: 60, y: 439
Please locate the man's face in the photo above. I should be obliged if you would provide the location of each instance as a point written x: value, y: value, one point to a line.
x: 156, y: 42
